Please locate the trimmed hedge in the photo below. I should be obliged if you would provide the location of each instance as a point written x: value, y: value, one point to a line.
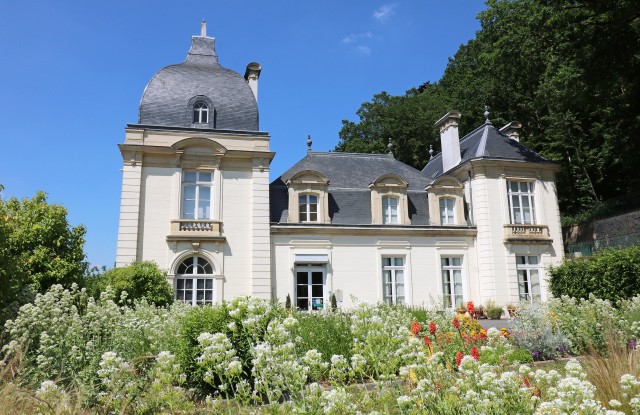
x: 612, y: 274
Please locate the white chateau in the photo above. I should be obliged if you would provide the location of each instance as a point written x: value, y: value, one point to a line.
x: 480, y: 222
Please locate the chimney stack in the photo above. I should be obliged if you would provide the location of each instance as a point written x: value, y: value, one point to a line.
x: 512, y: 130
x: 450, y: 140
x: 251, y: 75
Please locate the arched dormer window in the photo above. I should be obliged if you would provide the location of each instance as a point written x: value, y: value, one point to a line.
x: 308, y: 204
x: 195, y: 281
x: 389, y: 202
x: 308, y: 197
x: 200, y: 113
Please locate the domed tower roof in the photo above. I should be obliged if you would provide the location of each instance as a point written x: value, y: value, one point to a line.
x: 173, y: 94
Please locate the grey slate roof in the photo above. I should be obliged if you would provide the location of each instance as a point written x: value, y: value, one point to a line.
x: 169, y: 96
x: 489, y: 143
x: 349, y: 177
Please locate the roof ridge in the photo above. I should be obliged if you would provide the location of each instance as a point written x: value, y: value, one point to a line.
x: 341, y: 153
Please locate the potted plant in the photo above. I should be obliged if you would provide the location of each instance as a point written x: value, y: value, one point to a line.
x: 479, y: 312
x: 460, y: 309
x: 494, y: 312
x: 511, y: 309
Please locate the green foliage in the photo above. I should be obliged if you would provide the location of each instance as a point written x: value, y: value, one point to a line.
x: 139, y: 280
x: 329, y: 334
x: 198, y: 320
x: 38, y: 248
x: 541, y: 63
x: 612, y: 274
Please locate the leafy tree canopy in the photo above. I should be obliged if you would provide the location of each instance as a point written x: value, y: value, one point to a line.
x: 568, y: 71
x: 38, y: 248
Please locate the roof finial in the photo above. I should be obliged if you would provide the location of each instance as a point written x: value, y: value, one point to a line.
x: 430, y: 151
x: 486, y: 115
x: 309, y: 142
x: 390, y: 147
x: 203, y: 28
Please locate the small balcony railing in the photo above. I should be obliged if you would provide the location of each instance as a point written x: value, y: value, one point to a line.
x: 527, y: 233
x: 183, y: 229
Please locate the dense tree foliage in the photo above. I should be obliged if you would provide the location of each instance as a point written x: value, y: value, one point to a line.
x: 568, y: 70
x: 38, y: 248
x: 139, y: 280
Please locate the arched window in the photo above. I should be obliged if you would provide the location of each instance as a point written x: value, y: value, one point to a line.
x: 200, y: 113
x: 194, y: 281
x: 389, y: 209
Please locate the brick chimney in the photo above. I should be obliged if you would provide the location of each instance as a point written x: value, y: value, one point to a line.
x: 449, y: 139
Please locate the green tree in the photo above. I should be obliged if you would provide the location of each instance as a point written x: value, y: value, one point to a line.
x: 569, y: 71
x: 38, y: 248
x: 139, y: 280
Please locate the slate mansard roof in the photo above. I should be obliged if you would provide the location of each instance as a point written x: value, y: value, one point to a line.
x: 169, y: 97
x: 349, y: 178
x: 486, y: 142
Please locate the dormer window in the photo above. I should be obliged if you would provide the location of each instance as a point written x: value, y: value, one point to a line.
x: 447, y: 215
x: 200, y: 113
x: 308, y: 197
x: 308, y: 208
x: 389, y: 209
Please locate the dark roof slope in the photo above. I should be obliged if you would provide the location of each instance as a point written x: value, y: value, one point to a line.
x: 169, y: 96
x: 486, y: 142
x: 349, y: 178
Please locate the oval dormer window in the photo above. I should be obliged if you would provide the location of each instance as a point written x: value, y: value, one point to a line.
x: 200, y: 113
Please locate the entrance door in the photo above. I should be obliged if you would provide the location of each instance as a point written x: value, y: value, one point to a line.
x: 310, y: 287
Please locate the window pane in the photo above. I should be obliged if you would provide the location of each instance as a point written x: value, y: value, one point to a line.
x: 444, y: 261
x: 204, y: 177
x: 303, y: 291
x: 535, y: 284
x: 313, y: 208
x: 190, y: 177
x: 457, y: 261
x: 180, y: 284
x: 316, y: 277
x: 317, y: 303
x: 196, y: 116
x: 208, y: 296
x: 313, y: 217
x: 200, y: 283
x: 207, y: 268
x: 386, y: 262
x: 387, y: 289
x: 399, y: 276
x: 209, y: 284
x: 520, y: 260
x: 188, y: 284
x: 399, y: 262
x: 386, y: 276
x: 316, y: 291
x: 514, y: 186
x: 302, y: 303
x: 313, y: 199
x: 400, y: 290
x: 188, y: 296
x: 302, y: 277
x: 400, y: 300
x: 533, y: 260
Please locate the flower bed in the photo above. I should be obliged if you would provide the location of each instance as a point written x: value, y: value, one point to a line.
x: 251, y: 356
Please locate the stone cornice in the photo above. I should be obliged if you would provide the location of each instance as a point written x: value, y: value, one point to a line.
x: 372, y: 230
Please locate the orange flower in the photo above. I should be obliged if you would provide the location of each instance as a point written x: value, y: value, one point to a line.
x: 432, y: 328
x: 456, y: 323
x: 415, y: 328
x: 459, y: 357
x: 471, y: 308
x: 427, y: 341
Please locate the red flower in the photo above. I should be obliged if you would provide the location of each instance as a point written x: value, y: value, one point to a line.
x: 471, y: 308
x: 456, y: 323
x: 415, y: 328
x: 432, y: 328
x: 427, y: 341
x: 459, y: 357
x: 475, y: 353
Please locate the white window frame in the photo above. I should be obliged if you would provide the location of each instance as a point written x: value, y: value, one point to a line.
x: 388, y: 216
x: 390, y: 277
x: 305, y: 212
x: 448, y: 270
x: 526, y: 272
x: 447, y: 211
x: 310, y: 269
x: 522, y: 197
x: 199, y: 185
x: 202, y: 271
x: 200, y: 113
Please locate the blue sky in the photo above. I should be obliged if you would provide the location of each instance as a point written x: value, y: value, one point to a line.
x: 72, y: 74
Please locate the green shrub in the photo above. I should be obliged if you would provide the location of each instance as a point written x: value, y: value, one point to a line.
x: 329, y: 334
x: 612, y: 274
x: 198, y: 320
x: 142, y: 280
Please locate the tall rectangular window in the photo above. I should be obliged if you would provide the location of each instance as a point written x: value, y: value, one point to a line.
x: 308, y: 208
x: 196, y: 195
x: 521, y: 203
x: 389, y: 209
x: 452, y: 295
x: 446, y: 211
x: 393, y: 280
x: 528, y: 268
x: 310, y: 287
